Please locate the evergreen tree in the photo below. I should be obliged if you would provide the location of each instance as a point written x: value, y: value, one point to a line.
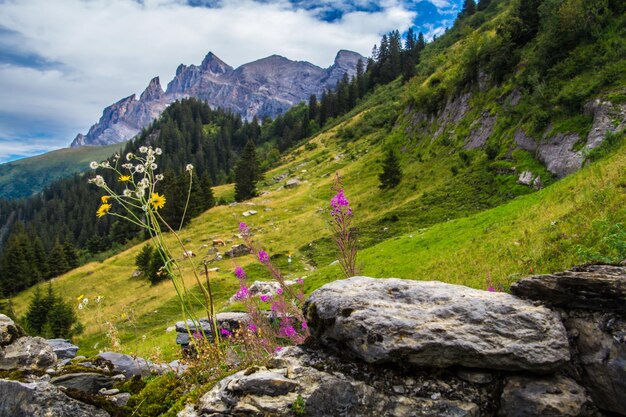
x: 482, y: 5
x: 392, y: 173
x: 313, y: 107
x: 37, y: 313
x: 469, y: 8
x: 206, y: 192
x: 143, y: 258
x: 71, y: 256
x: 57, y: 262
x: 156, y: 270
x: 247, y: 173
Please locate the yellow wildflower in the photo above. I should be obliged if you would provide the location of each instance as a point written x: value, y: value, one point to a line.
x: 124, y: 178
x: 123, y: 316
x: 103, y: 210
x: 157, y: 201
x: 105, y: 199
x: 80, y: 297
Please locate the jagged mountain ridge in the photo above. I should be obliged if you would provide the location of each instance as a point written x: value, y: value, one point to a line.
x: 266, y: 87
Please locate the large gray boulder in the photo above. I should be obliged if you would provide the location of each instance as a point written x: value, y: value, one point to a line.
x: 41, y: 399
x: 9, y: 330
x: 90, y: 382
x: 27, y: 353
x: 63, y: 348
x: 433, y: 324
x: 549, y: 397
x: 290, y: 385
x: 591, y: 287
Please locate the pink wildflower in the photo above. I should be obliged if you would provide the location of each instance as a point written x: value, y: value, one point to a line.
x: 225, y: 332
x: 252, y: 327
x: 279, y: 290
x: 243, y: 293
x: 491, y: 289
x: 304, y: 325
x: 240, y: 273
x: 300, y: 280
x: 263, y: 257
x: 264, y: 298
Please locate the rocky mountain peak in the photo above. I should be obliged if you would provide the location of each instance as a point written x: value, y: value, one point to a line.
x: 266, y: 87
x: 346, y: 58
x: 214, y: 65
x: 153, y: 91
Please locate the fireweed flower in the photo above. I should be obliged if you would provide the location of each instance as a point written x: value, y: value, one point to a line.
x: 491, y: 289
x: 243, y: 293
x: 304, y: 325
x: 225, y: 332
x: 240, y: 273
x: 252, y: 327
x: 264, y: 298
x: 288, y: 331
x: 263, y: 257
x: 279, y: 290
x: 300, y: 280
x: 243, y: 229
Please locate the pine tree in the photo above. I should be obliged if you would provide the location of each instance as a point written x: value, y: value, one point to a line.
x: 71, y: 256
x: 37, y: 313
x: 143, y: 258
x: 392, y: 173
x: 247, y: 173
x: 469, y: 8
x: 57, y: 262
x: 313, y: 107
x: 206, y: 191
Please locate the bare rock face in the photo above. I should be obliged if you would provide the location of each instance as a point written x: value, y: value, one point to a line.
x: 548, y: 397
x: 9, y: 330
x: 593, y: 287
x: 481, y: 130
x: 41, y: 399
x: 292, y: 382
x: 433, y: 324
x: 27, y: 353
x: 267, y: 87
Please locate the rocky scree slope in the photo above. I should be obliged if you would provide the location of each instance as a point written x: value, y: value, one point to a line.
x: 263, y: 88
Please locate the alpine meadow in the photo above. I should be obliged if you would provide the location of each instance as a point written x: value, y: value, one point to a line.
x: 438, y: 229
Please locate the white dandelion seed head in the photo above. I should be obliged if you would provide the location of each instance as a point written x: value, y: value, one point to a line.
x: 127, y: 193
x: 153, y: 166
x: 140, y: 168
x: 158, y: 151
x: 144, y: 183
x: 93, y: 165
x: 127, y: 166
x: 140, y: 192
x: 85, y: 301
x: 189, y: 168
x: 143, y: 149
x: 129, y: 156
x: 106, y: 164
x: 150, y: 158
x: 80, y: 306
x: 159, y: 177
x: 99, y: 181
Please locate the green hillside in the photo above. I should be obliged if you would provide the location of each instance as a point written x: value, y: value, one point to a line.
x: 28, y: 176
x: 459, y: 214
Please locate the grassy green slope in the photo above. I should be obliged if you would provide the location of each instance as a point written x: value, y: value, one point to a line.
x: 28, y: 176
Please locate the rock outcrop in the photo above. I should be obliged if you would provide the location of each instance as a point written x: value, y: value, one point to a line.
x: 267, y: 87
x: 41, y: 399
x: 429, y: 323
x: 592, y: 301
x: 27, y: 353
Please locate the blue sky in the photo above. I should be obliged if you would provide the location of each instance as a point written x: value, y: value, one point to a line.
x: 63, y: 61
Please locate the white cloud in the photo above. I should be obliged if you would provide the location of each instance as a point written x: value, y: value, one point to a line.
x: 107, y: 49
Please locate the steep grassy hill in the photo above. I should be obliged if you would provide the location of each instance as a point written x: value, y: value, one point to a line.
x: 28, y: 176
x: 465, y: 134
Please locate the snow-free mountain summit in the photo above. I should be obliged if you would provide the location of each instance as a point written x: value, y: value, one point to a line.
x: 266, y: 87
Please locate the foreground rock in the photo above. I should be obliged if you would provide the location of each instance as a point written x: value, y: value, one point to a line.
x: 592, y: 302
x: 27, y: 353
x: 436, y: 324
x: 555, y: 396
x: 128, y: 365
x: 41, y: 399
x: 9, y: 331
x: 592, y: 287
x: 297, y: 383
x: 84, y: 381
x: 63, y: 348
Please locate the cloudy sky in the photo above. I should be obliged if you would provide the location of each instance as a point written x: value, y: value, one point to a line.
x: 63, y: 61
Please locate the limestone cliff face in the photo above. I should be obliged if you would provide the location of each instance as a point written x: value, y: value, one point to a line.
x: 267, y: 87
